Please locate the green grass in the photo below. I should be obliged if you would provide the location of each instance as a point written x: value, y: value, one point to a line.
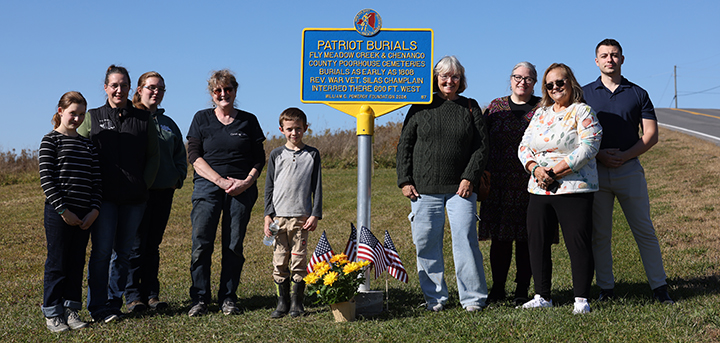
x: 690, y: 260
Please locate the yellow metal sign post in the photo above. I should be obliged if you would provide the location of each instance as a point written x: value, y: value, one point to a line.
x: 367, y: 72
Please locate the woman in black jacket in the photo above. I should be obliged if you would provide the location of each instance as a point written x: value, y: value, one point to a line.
x: 127, y: 146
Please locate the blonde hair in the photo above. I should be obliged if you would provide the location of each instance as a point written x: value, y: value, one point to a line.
x: 575, y: 88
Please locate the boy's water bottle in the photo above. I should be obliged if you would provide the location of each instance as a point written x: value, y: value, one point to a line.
x: 274, y: 228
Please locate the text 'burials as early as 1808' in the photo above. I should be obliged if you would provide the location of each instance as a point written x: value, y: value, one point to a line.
x: 342, y: 66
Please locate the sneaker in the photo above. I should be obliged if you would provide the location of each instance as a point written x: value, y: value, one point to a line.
x: 538, y: 302
x: 106, y: 316
x: 228, y: 307
x: 156, y: 304
x: 198, y: 309
x: 473, y: 308
x: 435, y: 308
x: 72, y: 319
x: 136, y: 306
x: 581, y: 306
x: 661, y: 295
x: 111, y: 318
x: 56, y: 324
x: 606, y: 295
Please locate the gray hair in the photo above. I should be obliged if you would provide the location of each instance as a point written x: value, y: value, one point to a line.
x: 528, y: 65
x: 449, y: 64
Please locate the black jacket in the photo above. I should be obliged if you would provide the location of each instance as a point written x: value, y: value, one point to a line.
x: 127, y: 144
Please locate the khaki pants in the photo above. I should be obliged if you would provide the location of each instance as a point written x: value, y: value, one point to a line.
x: 290, y: 250
x: 626, y: 183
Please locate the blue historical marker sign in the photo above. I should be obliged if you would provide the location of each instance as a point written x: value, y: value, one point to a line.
x: 343, y: 66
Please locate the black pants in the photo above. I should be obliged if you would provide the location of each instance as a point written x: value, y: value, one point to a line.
x: 142, y: 281
x: 64, y: 264
x: 501, y: 253
x: 574, y: 214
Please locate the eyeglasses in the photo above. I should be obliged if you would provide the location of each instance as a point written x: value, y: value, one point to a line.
x: 558, y: 83
x: 154, y: 88
x: 527, y: 79
x: 115, y: 86
x: 446, y: 77
x: 219, y: 91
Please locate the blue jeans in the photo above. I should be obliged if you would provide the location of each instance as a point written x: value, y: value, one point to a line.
x: 209, y: 201
x: 64, y: 265
x: 428, y: 228
x: 112, y: 236
x: 142, y: 280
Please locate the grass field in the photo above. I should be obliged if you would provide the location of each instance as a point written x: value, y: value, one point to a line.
x: 684, y: 181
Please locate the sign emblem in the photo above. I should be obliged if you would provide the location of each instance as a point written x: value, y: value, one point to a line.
x: 368, y: 22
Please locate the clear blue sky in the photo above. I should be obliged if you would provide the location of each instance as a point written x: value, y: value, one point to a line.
x: 50, y: 47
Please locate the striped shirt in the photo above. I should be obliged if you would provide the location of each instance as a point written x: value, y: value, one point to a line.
x: 70, y: 172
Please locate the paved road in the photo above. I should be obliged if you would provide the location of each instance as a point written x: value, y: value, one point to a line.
x: 701, y: 123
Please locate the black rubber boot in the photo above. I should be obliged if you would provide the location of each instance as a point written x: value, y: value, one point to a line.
x: 283, y: 294
x: 296, y: 300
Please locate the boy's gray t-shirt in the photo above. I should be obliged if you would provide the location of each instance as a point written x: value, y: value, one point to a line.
x: 293, y: 187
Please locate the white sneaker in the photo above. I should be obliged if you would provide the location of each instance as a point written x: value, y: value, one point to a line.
x: 435, y: 308
x: 537, y: 302
x: 581, y: 306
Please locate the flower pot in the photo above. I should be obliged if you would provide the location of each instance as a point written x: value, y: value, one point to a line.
x: 344, y: 311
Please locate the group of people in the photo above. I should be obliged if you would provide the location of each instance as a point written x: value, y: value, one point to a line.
x: 109, y: 175
x: 449, y: 148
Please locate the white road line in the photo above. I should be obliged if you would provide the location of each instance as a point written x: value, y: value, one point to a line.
x: 690, y: 131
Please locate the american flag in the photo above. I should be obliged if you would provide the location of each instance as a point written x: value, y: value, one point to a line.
x: 395, y: 266
x: 370, y: 249
x: 351, y: 247
x: 323, y: 252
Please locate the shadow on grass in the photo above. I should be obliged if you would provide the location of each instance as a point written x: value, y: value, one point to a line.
x: 181, y: 309
x: 680, y: 289
x: 694, y: 287
x: 407, y: 303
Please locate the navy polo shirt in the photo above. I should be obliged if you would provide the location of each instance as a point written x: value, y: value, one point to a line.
x: 620, y: 113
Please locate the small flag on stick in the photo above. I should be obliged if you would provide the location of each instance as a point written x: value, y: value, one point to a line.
x: 351, y: 246
x: 323, y: 252
x: 395, y: 265
x: 370, y: 249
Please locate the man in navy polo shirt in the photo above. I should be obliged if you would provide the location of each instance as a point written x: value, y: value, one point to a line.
x: 622, y: 107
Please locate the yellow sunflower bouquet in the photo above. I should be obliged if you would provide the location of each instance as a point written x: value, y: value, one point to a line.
x: 337, y: 280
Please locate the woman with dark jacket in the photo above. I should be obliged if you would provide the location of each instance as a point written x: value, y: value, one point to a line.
x: 143, y: 286
x: 127, y: 145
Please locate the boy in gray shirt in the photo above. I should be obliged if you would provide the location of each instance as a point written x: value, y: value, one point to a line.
x: 293, y: 198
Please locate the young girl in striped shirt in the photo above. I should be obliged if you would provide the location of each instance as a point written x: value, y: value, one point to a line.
x: 70, y: 179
